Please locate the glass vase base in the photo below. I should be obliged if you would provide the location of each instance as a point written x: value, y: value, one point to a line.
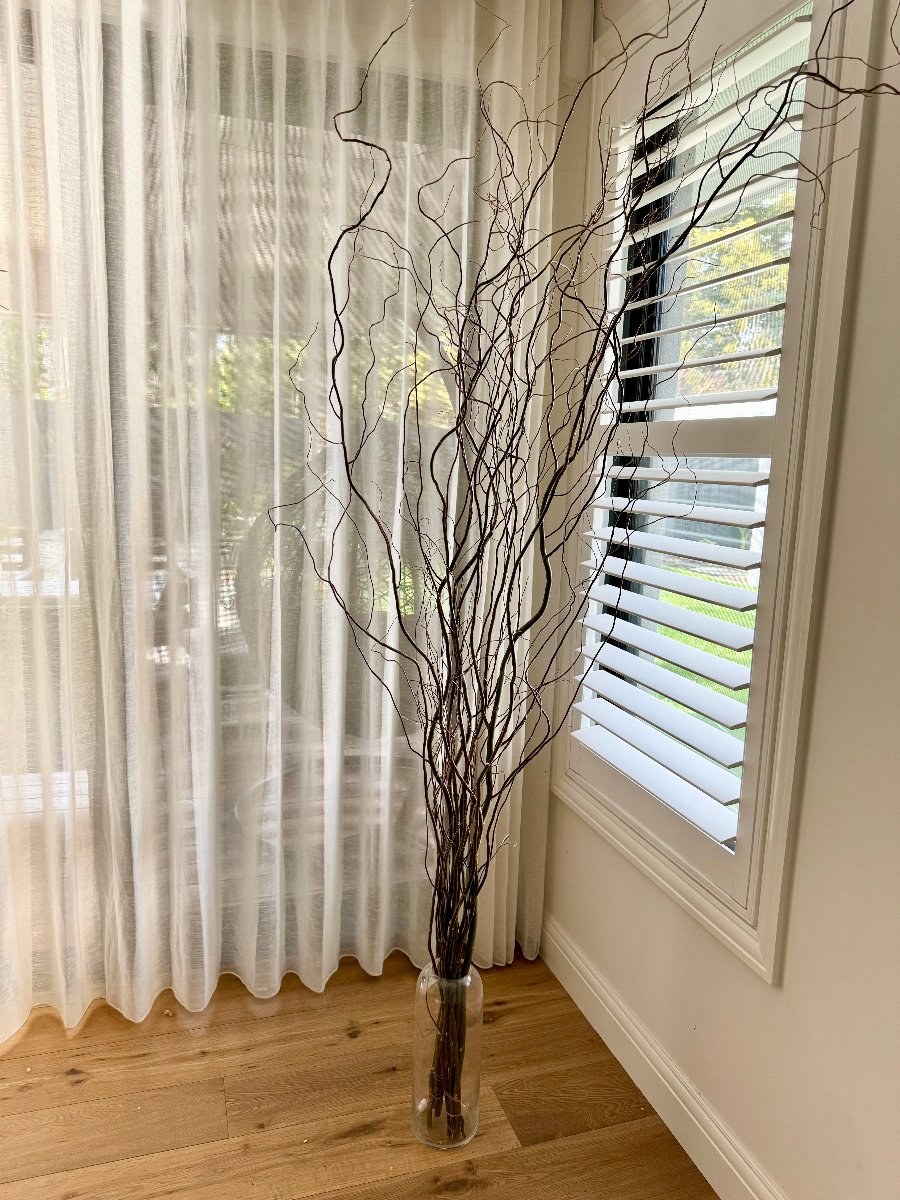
x: 434, y: 1133
x: 446, y: 1058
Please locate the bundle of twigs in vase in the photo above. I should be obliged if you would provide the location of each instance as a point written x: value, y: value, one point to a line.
x: 445, y: 1079
x: 458, y: 442
x: 446, y: 1075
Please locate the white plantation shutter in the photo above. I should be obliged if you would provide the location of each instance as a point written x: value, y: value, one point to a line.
x: 680, y: 518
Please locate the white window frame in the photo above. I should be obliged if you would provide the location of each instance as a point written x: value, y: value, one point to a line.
x: 739, y: 896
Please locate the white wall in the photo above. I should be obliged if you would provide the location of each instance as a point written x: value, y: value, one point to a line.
x: 806, y: 1075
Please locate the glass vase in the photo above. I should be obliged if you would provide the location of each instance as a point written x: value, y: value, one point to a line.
x: 447, y: 1058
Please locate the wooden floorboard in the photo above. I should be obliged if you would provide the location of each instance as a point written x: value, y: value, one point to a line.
x: 57, y: 1139
x: 637, y: 1161
x: 306, y: 1094
x: 576, y: 1099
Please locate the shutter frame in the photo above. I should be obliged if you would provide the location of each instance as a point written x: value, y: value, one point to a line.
x: 622, y: 701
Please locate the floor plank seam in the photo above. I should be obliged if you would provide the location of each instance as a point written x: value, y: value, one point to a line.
x: 225, y: 1106
x: 109, y: 1162
x: 76, y: 1102
x: 190, y: 1029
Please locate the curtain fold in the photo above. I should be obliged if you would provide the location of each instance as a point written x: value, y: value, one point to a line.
x: 198, y: 773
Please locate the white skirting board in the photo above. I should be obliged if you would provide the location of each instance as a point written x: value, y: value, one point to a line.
x: 718, y: 1153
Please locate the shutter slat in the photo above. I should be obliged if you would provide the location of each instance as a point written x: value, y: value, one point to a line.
x: 742, y: 518
x: 735, y: 676
x: 786, y: 128
x: 733, y: 196
x: 686, y: 475
x: 724, y: 748
x: 713, y: 322
x: 701, y: 285
x: 700, y: 400
x: 762, y: 100
x: 726, y: 556
x: 747, y: 437
x: 711, y: 629
x: 684, y: 584
x: 695, y: 806
x: 691, y: 364
x: 754, y: 60
x: 693, y: 251
x: 727, y: 711
x: 708, y: 776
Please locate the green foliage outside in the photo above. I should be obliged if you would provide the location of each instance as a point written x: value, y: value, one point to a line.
x: 758, y: 290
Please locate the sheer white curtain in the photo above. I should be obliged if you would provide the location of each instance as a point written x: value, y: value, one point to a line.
x: 197, y: 774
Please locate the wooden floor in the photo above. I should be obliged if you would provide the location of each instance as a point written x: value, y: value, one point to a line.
x: 307, y: 1095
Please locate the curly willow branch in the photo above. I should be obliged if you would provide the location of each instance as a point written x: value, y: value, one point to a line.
x: 517, y: 324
